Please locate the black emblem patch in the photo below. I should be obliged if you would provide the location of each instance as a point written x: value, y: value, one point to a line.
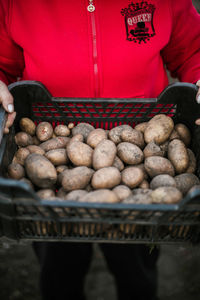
x: 139, y: 21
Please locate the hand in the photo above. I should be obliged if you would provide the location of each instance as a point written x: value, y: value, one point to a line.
x: 6, y: 99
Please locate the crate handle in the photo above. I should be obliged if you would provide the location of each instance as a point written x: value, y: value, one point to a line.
x: 10, y: 189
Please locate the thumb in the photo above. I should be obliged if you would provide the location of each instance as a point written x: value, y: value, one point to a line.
x: 6, y: 99
x: 198, y: 93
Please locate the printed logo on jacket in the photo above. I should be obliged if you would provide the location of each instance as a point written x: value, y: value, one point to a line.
x: 139, y: 21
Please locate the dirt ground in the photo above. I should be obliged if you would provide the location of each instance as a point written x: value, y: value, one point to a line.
x: 178, y: 268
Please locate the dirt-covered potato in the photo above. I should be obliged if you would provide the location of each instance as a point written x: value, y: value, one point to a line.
x: 133, y: 136
x: 152, y: 149
x: 35, y: 140
x: 174, y: 135
x: 61, y: 130
x: 185, y: 181
x: 192, y: 162
x: 70, y: 126
x: 23, y: 139
x: 27, y: 125
x: 104, y: 154
x: 139, y: 196
x: 106, y: 178
x: 115, y: 133
x: 144, y: 184
x: 132, y: 176
x: 35, y: 149
x: 16, y: 171
x: 166, y: 195
x: 162, y: 180
x: 96, y: 136
x: 141, y: 166
x: 77, y: 178
x: 80, y: 154
x: 57, y: 156
x: 61, y: 193
x: 158, y: 129
x: 118, y: 163
x: 164, y: 147
x: 100, y: 196
x: 130, y: 153
x: 46, y: 193
x: 184, y: 133
x: 20, y: 155
x: 61, y: 168
x: 122, y: 192
x: 75, y: 195
x: 82, y: 128
x: 178, y: 155
x: 55, y: 143
x: 157, y: 165
x: 40, y: 170
x: 28, y: 182
x: 44, y: 131
x: 77, y: 138
x: 141, y: 126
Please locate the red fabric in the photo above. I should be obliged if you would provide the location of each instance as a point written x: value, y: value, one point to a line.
x: 54, y: 42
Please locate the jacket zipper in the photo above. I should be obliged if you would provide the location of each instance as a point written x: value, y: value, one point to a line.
x: 91, y: 9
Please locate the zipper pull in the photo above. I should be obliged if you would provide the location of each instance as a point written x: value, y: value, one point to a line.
x: 91, y: 7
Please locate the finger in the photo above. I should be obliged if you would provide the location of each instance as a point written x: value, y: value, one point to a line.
x: 6, y: 99
x: 197, y: 122
x: 198, y: 93
x: 9, y: 121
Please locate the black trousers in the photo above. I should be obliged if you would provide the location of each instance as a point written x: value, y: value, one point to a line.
x: 64, y: 266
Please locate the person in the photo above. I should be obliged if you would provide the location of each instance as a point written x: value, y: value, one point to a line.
x: 104, y: 49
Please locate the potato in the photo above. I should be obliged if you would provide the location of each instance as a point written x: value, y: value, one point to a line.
x: 40, y: 170
x: 106, y: 178
x: 184, y: 133
x: 21, y: 155
x: 70, y: 126
x: 61, y: 168
x: 122, y: 192
x: 44, y: 131
x: 61, y: 130
x: 115, y: 133
x: 162, y: 180
x: 164, y: 147
x: 45, y: 193
x: 138, y: 199
x: 186, y: 181
x: 80, y: 154
x: 152, y: 149
x: 139, y: 191
x: 132, y: 176
x: 130, y: 153
x: 35, y: 149
x: 100, y: 196
x: 77, y: 138
x: 75, y: 195
x: 141, y: 166
x: 23, y: 139
x: 77, y: 178
x: 166, y: 195
x: 82, y: 128
x: 35, y: 141
x: 174, y: 135
x: 28, y: 126
x: 96, y: 136
x: 57, y: 156
x: 141, y: 126
x: 178, y: 155
x: 16, y: 171
x: 61, y: 193
x: 55, y: 143
x: 157, y: 165
x: 192, y: 162
x: 104, y: 154
x: 144, y: 184
x: 28, y: 182
x: 133, y: 136
x: 158, y: 129
x: 118, y: 164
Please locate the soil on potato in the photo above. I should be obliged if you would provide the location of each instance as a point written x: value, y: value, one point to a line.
x: 178, y: 267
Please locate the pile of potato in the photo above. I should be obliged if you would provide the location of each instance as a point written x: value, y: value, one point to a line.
x: 150, y: 163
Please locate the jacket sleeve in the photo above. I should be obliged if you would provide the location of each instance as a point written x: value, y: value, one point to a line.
x: 11, y: 55
x: 182, y: 53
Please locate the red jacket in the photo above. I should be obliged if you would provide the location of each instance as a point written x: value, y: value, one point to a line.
x: 119, y: 50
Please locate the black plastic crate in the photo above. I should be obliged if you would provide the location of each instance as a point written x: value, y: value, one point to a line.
x: 24, y: 216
